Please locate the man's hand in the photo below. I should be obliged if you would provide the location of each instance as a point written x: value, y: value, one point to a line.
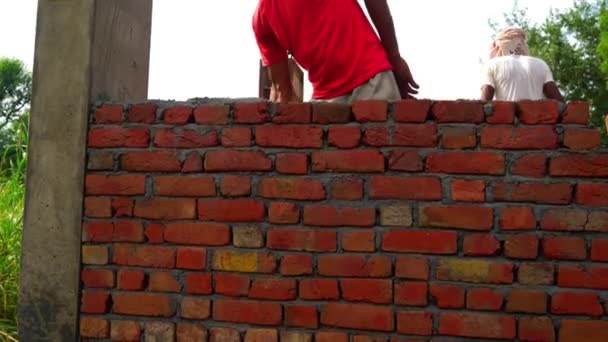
x: 407, y: 86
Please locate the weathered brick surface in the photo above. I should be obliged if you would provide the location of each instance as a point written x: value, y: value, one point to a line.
x: 414, y: 221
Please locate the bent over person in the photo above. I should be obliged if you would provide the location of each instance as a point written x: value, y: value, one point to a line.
x: 511, y: 74
x: 334, y: 41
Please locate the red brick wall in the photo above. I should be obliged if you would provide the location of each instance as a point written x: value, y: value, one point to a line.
x: 414, y: 222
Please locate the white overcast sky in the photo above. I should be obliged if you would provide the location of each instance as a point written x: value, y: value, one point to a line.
x: 206, y: 47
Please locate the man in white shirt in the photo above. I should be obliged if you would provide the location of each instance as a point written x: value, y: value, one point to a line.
x: 512, y: 75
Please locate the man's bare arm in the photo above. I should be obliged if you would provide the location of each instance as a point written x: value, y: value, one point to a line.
x: 282, y: 90
x: 552, y: 91
x: 381, y: 16
x: 487, y: 93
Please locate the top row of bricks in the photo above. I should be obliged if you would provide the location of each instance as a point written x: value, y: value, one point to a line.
x: 412, y: 111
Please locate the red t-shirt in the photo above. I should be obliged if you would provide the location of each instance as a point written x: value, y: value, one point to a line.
x: 332, y: 39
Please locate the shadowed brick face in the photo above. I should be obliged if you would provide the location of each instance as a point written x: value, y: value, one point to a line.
x: 414, y: 221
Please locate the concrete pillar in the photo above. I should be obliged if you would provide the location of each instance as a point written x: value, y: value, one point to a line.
x: 85, y: 50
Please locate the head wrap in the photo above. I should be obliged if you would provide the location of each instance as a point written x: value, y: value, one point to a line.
x: 510, y: 41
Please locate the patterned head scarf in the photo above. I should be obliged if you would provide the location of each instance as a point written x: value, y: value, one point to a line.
x: 510, y: 41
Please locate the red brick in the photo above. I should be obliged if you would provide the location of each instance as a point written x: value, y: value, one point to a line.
x: 108, y: 114
x: 475, y: 163
x: 447, y: 296
x: 166, y: 209
x: 331, y: 113
x: 592, y: 194
x: 98, y: 207
x: 535, y: 273
x: 414, y: 135
x: 579, y: 165
x: 163, y: 282
x: 411, y: 110
x: 519, y: 138
x: 283, y: 213
x: 126, y: 331
x: 378, y: 136
x: 100, y: 278
x: 235, y: 186
x: 468, y: 190
x: 300, y: 239
x: 405, y: 160
x: 230, y: 284
x: 503, y: 112
x: 458, y: 111
x: 133, y: 280
x: 95, y: 302
x: 576, y: 303
x: 107, y: 137
x: 289, y: 136
x: 521, y: 246
x: 377, y: 291
x: 293, y: 113
x: 599, y: 250
x: 530, y: 165
x: 245, y: 311
x: 142, y: 304
x: 186, y: 332
x: 348, y: 161
x: 536, y: 329
x: 191, y: 258
x: 193, y: 163
x: 474, y: 271
x: 481, y: 245
x: 115, y: 185
x: 233, y: 160
x: 319, y: 289
x: 120, y: 231
x: 411, y: 267
x: 261, y: 335
x: 357, y: 316
x: 199, y: 283
x: 577, y: 112
x: 564, y: 219
x: 236, y: 137
x: 150, y: 161
x: 330, y: 216
x: 484, y: 299
x: 292, y: 163
x: 420, y: 241
x: 411, y: 293
x: 370, y: 110
x: 236, y: 210
x: 198, y: 186
x: 251, y: 113
x: 301, y: 316
x: 92, y: 327
x: 296, y: 264
x: 122, y: 207
x: 346, y: 265
x: 538, y: 112
x: 211, y: 114
x: 331, y: 336
x: 415, y: 323
x: 144, y: 256
x: 185, y: 138
x: 583, y: 330
x: 405, y: 188
x: 529, y: 301
x: 517, y: 218
x: 459, y: 137
x: 275, y: 289
x: 291, y: 188
x: 178, y: 115
x: 154, y: 233
x: 564, y: 247
x: 359, y: 241
x: 144, y: 113
x: 196, y: 233
x: 344, y: 136
x: 348, y: 189
x: 582, y: 138
x: 540, y: 193
x: 219, y: 334
x: 477, y: 325
x: 457, y: 216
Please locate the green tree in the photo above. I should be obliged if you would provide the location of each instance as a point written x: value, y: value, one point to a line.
x: 569, y: 41
x: 15, y: 90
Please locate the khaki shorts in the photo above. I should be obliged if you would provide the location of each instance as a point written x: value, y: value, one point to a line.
x: 383, y: 86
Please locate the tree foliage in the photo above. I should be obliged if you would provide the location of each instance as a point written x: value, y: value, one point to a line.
x: 15, y: 90
x: 574, y: 42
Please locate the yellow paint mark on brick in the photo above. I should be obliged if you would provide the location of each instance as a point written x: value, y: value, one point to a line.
x: 95, y: 255
x: 463, y: 270
x: 235, y: 261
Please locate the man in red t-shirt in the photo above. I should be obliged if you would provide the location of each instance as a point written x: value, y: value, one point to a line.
x: 335, y: 42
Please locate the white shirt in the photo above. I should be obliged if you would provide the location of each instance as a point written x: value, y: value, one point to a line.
x: 517, y: 78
